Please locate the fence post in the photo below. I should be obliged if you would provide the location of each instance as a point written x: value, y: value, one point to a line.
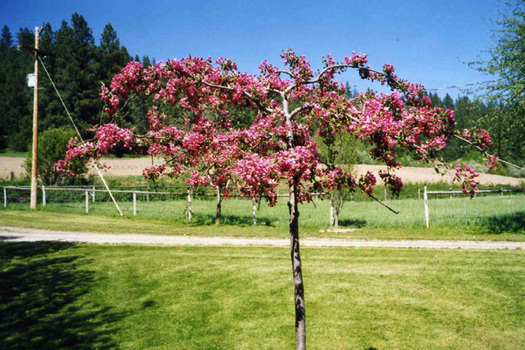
x: 43, y: 195
x: 254, y: 211
x: 189, y: 203
x: 147, y: 195
x: 5, y: 197
x: 87, y: 202
x: 425, y: 198
x: 419, y: 194
x: 134, y: 203
x: 94, y: 193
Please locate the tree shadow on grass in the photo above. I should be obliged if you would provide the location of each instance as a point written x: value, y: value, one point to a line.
x: 352, y: 223
x: 513, y: 222
x: 236, y: 220
x: 40, y: 305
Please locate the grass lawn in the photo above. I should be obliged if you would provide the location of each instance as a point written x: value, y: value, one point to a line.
x: 58, y: 295
x: 15, y: 154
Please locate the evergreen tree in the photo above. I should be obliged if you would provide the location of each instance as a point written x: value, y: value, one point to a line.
x: 448, y: 102
x: 146, y: 61
x: 15, y: 96
x: 7, y: 39
x: 112, y: 56
x: 51, y: 110
x: 77, y: 66
x: 348, y: 90
x: 436, y: 100
x: 76, y: 77
x: 26, y: 38
x: 507, y: 91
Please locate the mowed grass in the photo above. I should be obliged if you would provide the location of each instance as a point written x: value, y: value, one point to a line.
x: 485, y: 217
x: 58, y: 295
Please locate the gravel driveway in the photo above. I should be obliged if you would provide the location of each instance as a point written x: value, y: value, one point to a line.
x: 15, y: 234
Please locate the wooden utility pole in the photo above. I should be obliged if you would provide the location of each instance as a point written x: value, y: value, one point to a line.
x: 34, y: 150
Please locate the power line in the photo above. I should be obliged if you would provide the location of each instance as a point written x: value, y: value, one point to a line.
x: 464, y: 85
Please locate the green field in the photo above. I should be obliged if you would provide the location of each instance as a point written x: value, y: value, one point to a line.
x: 57, y: 295
x: 485, y: 217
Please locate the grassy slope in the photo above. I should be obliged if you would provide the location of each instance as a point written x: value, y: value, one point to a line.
x: 60, y: 295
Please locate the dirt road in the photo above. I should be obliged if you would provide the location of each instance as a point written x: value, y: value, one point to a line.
x: 134, y: 166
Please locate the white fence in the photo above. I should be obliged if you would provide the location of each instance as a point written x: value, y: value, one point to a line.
x: 132, y: 196
x: 426, y: 193
x: 89, y: 195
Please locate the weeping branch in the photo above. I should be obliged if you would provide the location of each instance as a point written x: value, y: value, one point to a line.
x: 487, y: 154
x: 379, y: 201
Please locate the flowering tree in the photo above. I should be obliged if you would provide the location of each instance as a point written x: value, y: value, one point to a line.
x: 279, y: 144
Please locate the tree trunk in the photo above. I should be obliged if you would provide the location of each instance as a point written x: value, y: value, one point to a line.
x: 254, y: 210
x: 219, y: 201
x: 332, y: 210
x: 300, y: 329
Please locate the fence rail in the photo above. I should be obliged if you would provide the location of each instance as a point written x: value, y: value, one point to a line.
x: 451, y: 192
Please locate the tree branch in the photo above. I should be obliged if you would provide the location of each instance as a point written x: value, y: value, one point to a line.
x: 378, y: 201
x: 335, y: 66
x: 285, y: 72
x: 253, y: 99
x: 486, y: 153
x: 298, y: 110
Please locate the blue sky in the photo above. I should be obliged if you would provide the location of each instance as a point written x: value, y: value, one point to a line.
x: 427, y: 41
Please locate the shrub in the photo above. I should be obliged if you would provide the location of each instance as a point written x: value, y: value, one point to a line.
x: 52, y: 148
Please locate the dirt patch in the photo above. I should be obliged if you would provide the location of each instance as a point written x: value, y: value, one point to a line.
x: 11, y: 164
x: 134, y: 166
x: 429, y: 175
x: 125, y: 166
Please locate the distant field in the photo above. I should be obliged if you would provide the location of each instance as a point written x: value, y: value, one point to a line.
x: 134, y: 166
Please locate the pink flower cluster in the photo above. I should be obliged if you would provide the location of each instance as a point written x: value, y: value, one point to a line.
x: 260, y: 176
x: 367, y: 182
x: 467, y: 177
x: 479, y: 137
x: 492, y: 161
x: 199, y: 142
x: 393, y: 182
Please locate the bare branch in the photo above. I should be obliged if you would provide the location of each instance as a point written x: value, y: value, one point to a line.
x: 299, y: 109
x: 285, y: 72
x: 218, y: 86
x: 335, y: 66
x: 353, y: 118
